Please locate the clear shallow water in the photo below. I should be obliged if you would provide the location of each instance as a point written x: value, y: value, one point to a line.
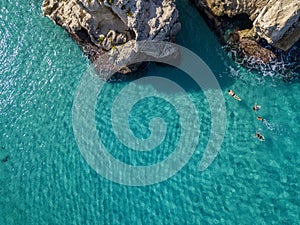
x: 45, y: 180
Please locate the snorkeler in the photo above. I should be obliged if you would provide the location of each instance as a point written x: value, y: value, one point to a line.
x: 256, y: 107
x: 259, y: 136
x: 230, y: 92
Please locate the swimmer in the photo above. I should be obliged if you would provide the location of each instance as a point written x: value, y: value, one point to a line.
x: 230, y: 92
x: 261, y: 119
x: 256, y: 107
x: 270, y: 126
x: 259, y: 136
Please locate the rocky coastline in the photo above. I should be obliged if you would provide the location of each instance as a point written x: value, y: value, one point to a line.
x: 260, y: 30
x: 101, y: 26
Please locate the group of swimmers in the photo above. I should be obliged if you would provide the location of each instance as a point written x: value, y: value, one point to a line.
x: 255, y: 109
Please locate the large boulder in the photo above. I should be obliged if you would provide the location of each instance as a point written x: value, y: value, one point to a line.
x: 250, y: 49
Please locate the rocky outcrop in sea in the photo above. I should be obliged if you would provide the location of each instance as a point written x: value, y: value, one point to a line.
x: 259, y: 30
x: 100, y: 26
x: 274, y: 24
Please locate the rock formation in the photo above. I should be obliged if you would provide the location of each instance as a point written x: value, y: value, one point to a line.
x: 251, y: 49
x: 102, y: 25
x: 276, y: 21
x: 279, y: 23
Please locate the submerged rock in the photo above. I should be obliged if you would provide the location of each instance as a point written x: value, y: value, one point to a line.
x: 276, y: 21
x: 101, y: 26
x: 5, y: 159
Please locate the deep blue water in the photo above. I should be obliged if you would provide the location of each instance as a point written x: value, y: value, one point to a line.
x: 45, y: 180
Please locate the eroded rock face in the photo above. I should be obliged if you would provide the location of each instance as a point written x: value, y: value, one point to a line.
x: 250, y: 49
x: 103, y: 25
x: 277, y: 21
x: 235, y: 7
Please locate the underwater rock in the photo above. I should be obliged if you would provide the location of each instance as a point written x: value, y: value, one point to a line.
x: 5, y: 159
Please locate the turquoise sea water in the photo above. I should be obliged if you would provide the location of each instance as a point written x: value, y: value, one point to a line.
x: 45, y: 180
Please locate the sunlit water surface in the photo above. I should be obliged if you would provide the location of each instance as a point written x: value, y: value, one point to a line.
x: 45, y: 180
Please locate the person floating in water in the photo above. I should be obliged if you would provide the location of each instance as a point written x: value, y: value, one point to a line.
x: 259, y: 136
x: 270, y: 126
x: 261, y: 119
x: 230, y: 92
x: 256, y: 107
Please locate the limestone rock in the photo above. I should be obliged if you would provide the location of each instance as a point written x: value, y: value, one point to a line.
x: 277, y: 21
x: 235, y: 7
x: 136, y: 52
x: 101, y: 25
